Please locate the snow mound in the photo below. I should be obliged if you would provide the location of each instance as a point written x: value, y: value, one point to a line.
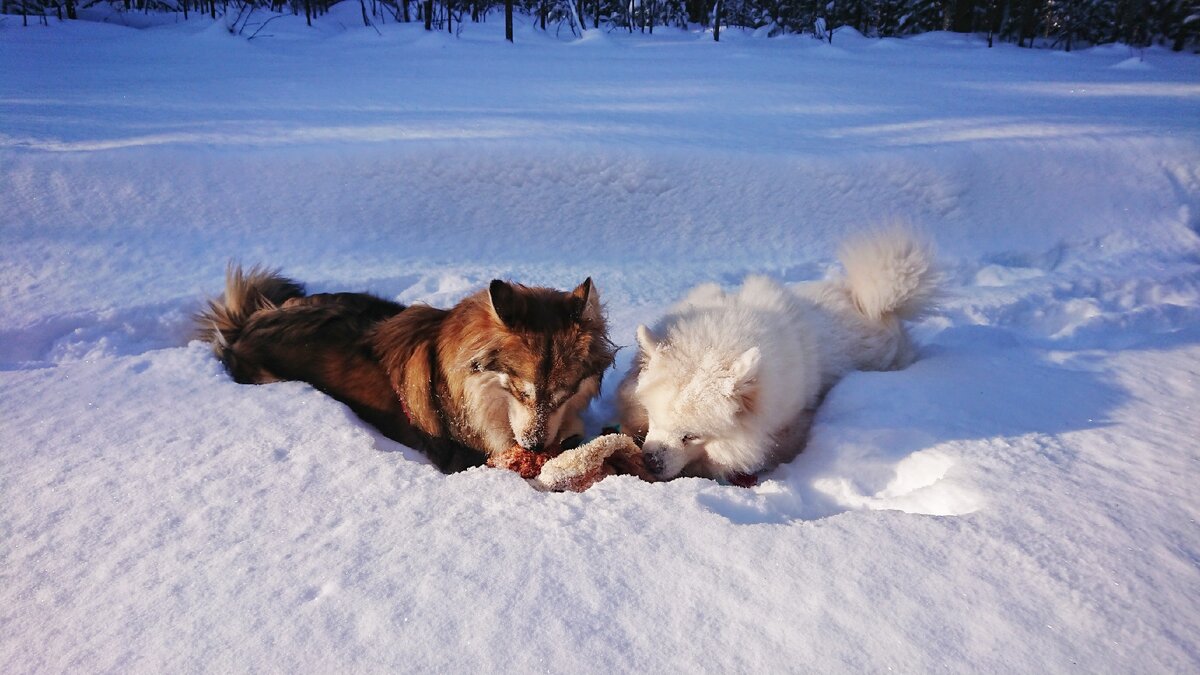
x: 1133, y: 63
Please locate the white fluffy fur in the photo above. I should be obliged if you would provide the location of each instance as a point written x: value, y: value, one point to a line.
x: 889, y: 272
x: 727, y: 382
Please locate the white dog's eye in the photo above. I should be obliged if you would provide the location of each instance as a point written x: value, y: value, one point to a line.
x: 689, y: 438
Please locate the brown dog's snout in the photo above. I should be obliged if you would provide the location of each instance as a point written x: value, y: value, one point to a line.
x: 536, y: 443
x: 537, y: 437
x: 534, y: 440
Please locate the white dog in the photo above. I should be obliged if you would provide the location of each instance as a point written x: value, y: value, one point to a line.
x: 726, y: 384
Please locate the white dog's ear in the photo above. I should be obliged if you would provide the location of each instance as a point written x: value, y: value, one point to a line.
x: 743, y: 378
x: 745, y: 369
x: 647, y: 340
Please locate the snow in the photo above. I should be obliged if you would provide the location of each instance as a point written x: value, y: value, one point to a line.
x: 1020, y: 499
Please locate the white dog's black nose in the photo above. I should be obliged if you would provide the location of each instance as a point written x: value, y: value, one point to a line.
x: 653, y: 463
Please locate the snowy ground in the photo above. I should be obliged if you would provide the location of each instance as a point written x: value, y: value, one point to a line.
x: 1022, y: 499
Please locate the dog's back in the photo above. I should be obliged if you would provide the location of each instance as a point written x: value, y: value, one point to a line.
x: 265, y: 329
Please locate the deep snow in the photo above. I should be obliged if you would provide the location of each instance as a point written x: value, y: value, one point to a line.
x: 1021, y: 499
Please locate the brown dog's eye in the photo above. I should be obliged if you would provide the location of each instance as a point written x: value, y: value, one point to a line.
x: 689, y: 438
x: 520, y: 390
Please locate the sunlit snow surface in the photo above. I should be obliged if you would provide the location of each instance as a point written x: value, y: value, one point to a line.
x: 1022, y: 499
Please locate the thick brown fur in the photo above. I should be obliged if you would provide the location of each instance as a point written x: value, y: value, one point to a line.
x: 509, y: 364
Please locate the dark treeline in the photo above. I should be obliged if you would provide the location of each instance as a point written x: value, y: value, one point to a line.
x: 1060, y: 24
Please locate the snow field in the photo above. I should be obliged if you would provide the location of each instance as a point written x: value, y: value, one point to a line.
x: 1018, y: 500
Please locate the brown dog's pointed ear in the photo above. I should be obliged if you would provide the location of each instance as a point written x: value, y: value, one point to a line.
x: 587, y: 301
x: 504, y: 301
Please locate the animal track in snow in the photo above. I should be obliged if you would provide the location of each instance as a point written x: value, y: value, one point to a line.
x: 920, y: 483
x: 88, y: 335
x: 919, y: 486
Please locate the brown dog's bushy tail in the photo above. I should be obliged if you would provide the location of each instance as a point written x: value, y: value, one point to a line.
x: 246, y: 292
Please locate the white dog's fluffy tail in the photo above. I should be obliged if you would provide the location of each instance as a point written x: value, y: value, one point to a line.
x: 890, y: 272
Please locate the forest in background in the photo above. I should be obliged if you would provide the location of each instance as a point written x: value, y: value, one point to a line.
x: 1055, y: 24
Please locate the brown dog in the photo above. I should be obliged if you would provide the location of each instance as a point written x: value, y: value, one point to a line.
x: 507, y: 365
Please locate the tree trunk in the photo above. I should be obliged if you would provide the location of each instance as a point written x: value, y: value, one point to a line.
x: 429, y: 15
x: 508, y: 10
x: 576, y: 24
x: 596, y: 21
x: 717, y: 22
x: 996, y: 9
x: 1180, y: 37
x: 964, y: 16
x: 1026, y: 23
